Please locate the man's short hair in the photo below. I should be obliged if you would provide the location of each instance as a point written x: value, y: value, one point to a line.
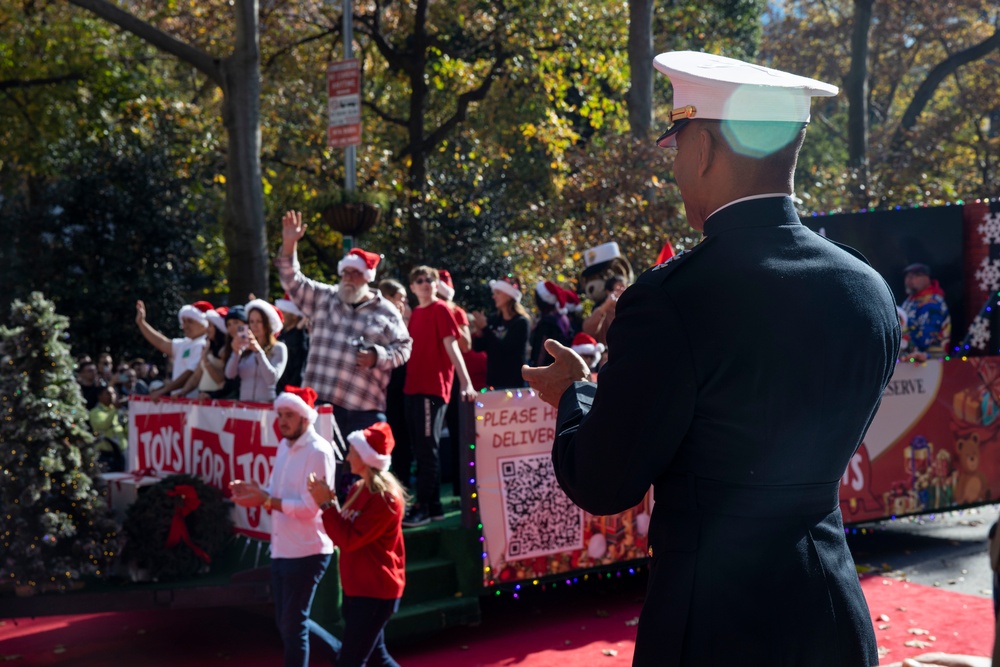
x: 428, y: 271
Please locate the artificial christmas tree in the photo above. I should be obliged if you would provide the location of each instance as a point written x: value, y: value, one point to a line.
x: 54, y: 525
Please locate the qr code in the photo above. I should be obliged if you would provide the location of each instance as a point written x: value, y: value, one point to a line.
x: 538, y: 517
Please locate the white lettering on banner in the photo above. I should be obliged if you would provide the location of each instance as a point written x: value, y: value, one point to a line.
x: 854, y: 476
x: 162, y: 448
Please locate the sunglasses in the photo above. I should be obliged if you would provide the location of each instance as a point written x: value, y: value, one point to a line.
x: 422, y: 281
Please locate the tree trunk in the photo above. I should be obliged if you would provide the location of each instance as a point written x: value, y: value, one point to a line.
x: 417, y: 172
x: 244, y: 226
x: 856, y: 89
x: 239, y: 77
x: 640, y: 57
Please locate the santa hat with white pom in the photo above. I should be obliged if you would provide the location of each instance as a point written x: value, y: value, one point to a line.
x: 374, y: 445
x: 588, y: 348
x: 299, y: 399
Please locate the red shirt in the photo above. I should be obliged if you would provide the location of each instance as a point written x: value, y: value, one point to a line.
x: 369, y: 532
x: 429, y: 370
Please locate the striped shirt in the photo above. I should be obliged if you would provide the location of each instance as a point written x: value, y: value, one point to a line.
x: 331, y: 368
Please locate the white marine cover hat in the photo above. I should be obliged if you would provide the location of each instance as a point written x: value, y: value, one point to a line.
x: 711, y: 87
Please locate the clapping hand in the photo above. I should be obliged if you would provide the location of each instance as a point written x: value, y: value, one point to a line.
x: 318, y: 489
x: 549, y: 382
x: 247, y: 494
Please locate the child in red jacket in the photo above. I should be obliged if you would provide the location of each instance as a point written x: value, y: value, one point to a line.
x: 368, y: 530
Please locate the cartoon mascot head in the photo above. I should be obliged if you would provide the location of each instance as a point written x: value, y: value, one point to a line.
x: 600, y: 263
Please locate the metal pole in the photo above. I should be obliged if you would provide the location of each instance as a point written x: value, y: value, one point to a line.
x: 350, y: 152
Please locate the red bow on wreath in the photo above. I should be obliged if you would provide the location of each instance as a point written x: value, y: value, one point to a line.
x: 178, y: 527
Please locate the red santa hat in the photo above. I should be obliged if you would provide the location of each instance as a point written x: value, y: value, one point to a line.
x: 363, y: 261
x: 300, y: 399
x: 374, y: 445
x: 286, y: 305
x: 217, y: 318
x: 273, y: 318
x: 588, y: 348
x: 189, y: 312
x: 446, y: 288
x: 507, y: 286
x: 551, y: 294
x: 573, y: 304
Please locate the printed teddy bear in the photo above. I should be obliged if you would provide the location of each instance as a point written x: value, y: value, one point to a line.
x: 972, y: 486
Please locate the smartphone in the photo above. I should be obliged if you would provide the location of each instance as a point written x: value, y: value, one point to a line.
x: 243, y: 332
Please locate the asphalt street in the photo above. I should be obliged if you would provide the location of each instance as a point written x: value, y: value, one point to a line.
x: 948, y: 549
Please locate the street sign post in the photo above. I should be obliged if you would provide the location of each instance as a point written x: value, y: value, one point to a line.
x: 343, y: 82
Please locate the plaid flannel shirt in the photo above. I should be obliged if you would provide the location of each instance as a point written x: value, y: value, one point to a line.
x: 331, y: 368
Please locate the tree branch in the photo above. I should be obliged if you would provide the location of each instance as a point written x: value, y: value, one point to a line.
x: 396, y: 60
x: 192, y: 55
x: 290, y: 165
x: 934, y: 78
x: 464, y: 100
x: 28, y: 83
x: 294, y: 45
x: 385, y: 116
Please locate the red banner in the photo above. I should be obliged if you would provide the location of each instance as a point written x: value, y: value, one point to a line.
x: 933, y: 444
x: 218, y: 441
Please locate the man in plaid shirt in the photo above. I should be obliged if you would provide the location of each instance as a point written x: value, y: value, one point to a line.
x: 357, y: 336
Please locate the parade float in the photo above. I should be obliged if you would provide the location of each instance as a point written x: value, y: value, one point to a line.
x: 932, y: 447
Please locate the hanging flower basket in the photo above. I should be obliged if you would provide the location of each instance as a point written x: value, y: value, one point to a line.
x: 351, y: 219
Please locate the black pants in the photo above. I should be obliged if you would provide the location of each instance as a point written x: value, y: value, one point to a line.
x: 425, y: 416
x: 364, y: 632
x: 395, y: 415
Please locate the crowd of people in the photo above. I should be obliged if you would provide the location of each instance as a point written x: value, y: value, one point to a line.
x: 374, y: 350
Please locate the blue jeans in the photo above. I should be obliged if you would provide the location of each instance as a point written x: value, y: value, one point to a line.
x: 349, y: 421
x: 293, y: 585
x: 364, y: 632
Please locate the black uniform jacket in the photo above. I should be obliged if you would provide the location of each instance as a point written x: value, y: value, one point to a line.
x: 741, y: 378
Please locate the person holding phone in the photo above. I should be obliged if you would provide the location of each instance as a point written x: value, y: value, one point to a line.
x: 257, y: 358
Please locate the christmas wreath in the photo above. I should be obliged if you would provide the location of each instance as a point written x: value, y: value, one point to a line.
x: 175, y: 528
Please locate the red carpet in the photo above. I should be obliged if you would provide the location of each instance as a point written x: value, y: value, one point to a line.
x: 566, y: 628
x: 955, y: 622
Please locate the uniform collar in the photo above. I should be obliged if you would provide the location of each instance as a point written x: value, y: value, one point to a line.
x: 765, y: 211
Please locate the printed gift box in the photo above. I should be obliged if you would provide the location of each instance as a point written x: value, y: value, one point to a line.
x: 123, y: 488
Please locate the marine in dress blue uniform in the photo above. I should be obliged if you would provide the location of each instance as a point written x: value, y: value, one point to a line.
x: 741, y: 378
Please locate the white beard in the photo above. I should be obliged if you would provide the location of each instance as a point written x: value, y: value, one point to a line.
x: 353, y: 295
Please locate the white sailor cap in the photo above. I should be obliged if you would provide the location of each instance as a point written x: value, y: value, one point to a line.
x: 712, y: 87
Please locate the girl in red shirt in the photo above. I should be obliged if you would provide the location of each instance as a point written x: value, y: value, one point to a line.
x: 368, y: 530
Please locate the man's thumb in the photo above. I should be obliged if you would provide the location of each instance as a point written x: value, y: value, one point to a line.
x: 555, y: 348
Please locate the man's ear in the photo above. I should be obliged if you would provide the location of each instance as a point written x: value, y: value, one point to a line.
x: 706, y: 150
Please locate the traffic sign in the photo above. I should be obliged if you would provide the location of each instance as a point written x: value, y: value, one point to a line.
x: 343, y: 84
